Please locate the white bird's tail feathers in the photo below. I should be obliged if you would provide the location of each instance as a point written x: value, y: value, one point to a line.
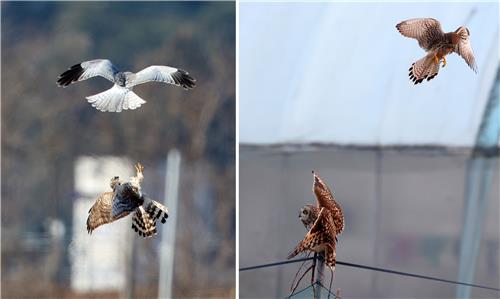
x: 116, y: 99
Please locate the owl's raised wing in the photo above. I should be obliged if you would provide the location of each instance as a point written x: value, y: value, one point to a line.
x: 161, y: 73
x: 324, y: 198
x: 100, y: 212
x: 86, y: 70
x: 464, y: 49
x: 426, y: 31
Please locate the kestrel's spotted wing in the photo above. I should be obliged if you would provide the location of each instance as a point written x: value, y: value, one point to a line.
x: 321, y: 239
x: 464, y: 48
x: 426, y: 31
x: 325, y: 199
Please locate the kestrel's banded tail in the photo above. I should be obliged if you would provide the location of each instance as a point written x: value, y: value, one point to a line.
x: 424, y: 68
x: 437, y: 44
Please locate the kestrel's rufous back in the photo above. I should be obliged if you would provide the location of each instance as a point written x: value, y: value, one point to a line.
x: 438, y: 44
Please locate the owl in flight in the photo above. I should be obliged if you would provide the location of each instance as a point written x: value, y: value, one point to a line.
x: 324, y: 222
x: 120, y: 96
x: 127, y: 198
x: 437, y: 44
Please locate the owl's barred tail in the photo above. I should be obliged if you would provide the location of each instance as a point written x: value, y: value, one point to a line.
x: 143, y: 224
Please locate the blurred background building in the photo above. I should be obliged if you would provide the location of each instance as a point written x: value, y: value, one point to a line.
x: 415, y: 168
x: 49, y: 134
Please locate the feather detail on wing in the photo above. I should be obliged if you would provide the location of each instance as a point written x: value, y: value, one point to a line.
x: 100, y: 212
x: 426, y: 31
x: 324, y: 198
x: 86, y: 70
x: 464, y: 49
x: 160, y: 73
x: 320, y: 238
x: 115, y: 99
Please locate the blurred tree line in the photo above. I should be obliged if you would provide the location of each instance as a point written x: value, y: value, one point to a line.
x: 45, y: 128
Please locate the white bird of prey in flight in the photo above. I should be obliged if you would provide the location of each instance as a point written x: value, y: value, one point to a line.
x: 120, y: 96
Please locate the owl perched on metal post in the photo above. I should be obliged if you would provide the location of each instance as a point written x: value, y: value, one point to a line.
x: 324, y: 222
x: 437, y: 44
x: 124, y: 199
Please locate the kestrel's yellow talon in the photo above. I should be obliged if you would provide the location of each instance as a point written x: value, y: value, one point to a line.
x: 436, y: 59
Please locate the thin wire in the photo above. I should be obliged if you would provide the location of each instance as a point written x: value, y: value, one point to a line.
x: 376, y: 269
x: 276, y: 264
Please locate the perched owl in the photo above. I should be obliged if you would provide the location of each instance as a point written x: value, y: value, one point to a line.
x: 321, y: 238
x: 324, y: 198
x: 124, y: 199
x: 437, y: 44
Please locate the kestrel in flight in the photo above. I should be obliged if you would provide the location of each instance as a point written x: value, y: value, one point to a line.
x: 124, y: 199
x: 120, y: 96
x: 437, y: 44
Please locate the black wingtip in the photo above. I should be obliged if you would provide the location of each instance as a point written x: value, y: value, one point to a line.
x: 70, y: 76
x: 183, y: 78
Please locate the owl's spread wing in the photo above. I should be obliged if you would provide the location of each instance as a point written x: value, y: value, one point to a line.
x: 125, y: 201
x: 322, y: 235
x: 426, y: 31
x: 325, y: 199
x: 86, y: 70
x: 464, y: 49
x: 100, y: 212
x: 161, y: 73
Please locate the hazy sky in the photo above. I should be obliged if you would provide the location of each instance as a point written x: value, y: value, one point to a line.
x: 338, y: 73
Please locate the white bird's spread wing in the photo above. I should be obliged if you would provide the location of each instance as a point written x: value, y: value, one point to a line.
x: 465, y: 50
x: 88, y: 69
x: 161, y: 73
x: 115, y: 99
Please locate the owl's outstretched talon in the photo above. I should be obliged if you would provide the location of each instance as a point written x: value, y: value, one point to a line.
x: 444, y: 61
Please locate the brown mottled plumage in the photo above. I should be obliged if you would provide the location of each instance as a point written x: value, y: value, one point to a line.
x: 321, y: 238
x: 437, y: 44
x: 324, y: 198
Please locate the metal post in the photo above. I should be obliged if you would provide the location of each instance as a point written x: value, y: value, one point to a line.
x: 320, y: 271
x: 167, y: 243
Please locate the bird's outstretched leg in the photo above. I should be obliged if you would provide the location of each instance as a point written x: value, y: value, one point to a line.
x: 436, y: 58
x: 139, y: 172
x: 444, y: 61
